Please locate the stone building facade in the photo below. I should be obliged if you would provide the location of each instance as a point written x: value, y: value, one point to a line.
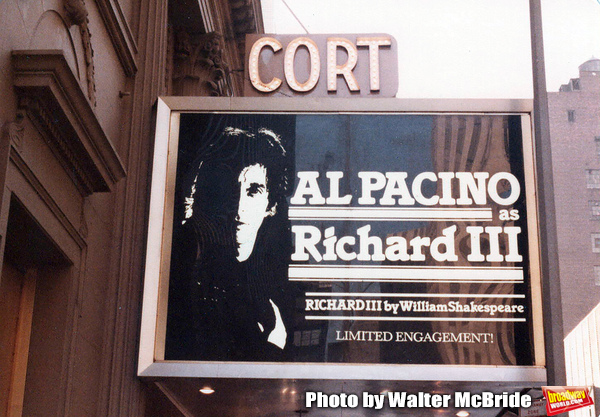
x: 78, y: 84
x: 575, y: 133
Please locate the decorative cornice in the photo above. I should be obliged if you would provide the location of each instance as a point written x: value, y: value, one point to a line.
x: 120, y: 34
x: 56, y: 104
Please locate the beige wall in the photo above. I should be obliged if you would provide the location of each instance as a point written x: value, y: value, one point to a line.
x: 45, y: 25
x: 81, y: 313
x: 76, y: 136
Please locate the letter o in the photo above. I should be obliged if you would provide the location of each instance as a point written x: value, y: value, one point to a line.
x: 515, y: 188
x: 315, y: 64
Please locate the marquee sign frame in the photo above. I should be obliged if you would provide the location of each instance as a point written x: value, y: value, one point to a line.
x: 156, y: 286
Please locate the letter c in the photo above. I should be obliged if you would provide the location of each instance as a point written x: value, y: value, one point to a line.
x: 253, y: 64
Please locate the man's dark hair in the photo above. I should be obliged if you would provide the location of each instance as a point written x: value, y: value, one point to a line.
x: 264, y: 147
x: 235, y: 149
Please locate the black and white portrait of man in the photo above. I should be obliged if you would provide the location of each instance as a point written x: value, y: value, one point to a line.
x: 228, y: 298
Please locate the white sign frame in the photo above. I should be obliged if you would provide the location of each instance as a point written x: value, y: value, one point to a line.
x: 151, y: 352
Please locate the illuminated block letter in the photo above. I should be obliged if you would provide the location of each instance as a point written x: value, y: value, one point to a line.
x: 315, y: 64
x: 253, y: 65
x: 374, y: 44
x: 333, y: 70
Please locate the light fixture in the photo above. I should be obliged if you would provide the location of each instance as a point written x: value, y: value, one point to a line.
x: 207, y: 390
x: 463, y: 413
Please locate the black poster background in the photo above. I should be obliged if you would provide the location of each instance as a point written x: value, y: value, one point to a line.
x: 221, y: 309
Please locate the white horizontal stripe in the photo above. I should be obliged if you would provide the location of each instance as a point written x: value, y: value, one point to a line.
x: 388, y: 214
x: 374, y: 318
x: 391, y: 273
x: 505, y: 268
x: 424, y: 295
x: 431, y: 281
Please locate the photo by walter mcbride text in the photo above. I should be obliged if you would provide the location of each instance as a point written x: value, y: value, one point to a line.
x: 401, y: 399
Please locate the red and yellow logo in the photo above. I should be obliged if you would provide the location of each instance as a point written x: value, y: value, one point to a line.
x: 563, y: 399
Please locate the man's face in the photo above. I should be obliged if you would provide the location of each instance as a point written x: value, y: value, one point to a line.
x: 253, y: 207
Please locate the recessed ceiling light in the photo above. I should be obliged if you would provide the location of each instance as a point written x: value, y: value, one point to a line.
x: 463, y: 413
x: 207, y: 390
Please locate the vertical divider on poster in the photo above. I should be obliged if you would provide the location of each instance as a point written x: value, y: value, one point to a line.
x: 167, y: 236
x: 534, y: 246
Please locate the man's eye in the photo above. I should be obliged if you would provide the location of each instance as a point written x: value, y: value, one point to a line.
x: 254, y: 189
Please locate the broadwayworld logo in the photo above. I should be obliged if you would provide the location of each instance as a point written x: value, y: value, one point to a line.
x: 563, y: 399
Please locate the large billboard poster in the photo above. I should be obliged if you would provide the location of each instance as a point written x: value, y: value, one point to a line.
x: 355, y: 238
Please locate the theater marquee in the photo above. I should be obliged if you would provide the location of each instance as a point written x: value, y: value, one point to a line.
x: 287, y: 242
x: 347, y: 65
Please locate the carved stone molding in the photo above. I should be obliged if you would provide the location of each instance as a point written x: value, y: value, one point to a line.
x: 77, y: 14
x: 15, y: 131
x: 120, y: 34
x: 53, y: 100
x: 243, y: 16
x: 246, y: 17
x: 198, y: 65
x: 83, y: 224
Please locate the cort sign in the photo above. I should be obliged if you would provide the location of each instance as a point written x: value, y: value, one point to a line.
x: 322, y: 65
